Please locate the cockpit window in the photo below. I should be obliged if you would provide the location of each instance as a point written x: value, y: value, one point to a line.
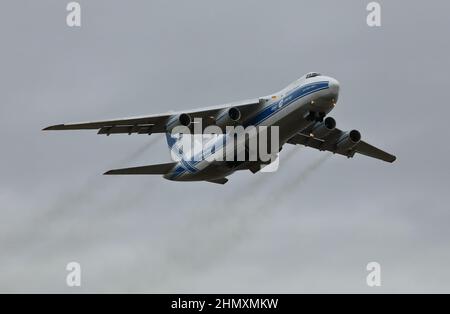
x: 312, y: 74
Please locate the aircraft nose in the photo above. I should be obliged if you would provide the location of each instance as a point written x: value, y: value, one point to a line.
x: 334, y: 87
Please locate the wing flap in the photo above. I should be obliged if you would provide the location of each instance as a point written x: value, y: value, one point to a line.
x: 306, y: 140
x: 120, y: 129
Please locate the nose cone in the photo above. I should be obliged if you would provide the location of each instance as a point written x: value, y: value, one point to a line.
x: 334, y: 87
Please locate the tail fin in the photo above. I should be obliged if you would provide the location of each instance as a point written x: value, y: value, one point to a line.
x: 151, y: 169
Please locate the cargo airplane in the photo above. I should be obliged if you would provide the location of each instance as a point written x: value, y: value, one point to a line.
x: 299, y: 111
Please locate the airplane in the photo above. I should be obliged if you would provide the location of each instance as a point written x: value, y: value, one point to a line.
x: 299, y: 111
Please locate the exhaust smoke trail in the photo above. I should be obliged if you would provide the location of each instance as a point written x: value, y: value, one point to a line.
x: 205, y: 241
x: 211, y: 234
x: 90, y: 188
x: 71, y: 204
x: 259, y: 181
x: 292, y: 186
x: 272, y: 201
x: 221, y: 212
x: 137, y: 153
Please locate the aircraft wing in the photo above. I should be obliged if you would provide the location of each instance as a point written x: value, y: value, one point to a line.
x: 153, y: 123
x: 333, y: 143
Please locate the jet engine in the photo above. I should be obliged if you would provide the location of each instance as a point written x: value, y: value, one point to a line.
x: 230, y: 116
x: 179, y: 120
x: 348, y: 140
x: 322, y: 129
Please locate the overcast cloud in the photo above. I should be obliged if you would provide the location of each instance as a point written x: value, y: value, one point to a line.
x: 310, y: 227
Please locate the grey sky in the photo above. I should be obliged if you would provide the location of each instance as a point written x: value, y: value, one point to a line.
x: 311, y: 227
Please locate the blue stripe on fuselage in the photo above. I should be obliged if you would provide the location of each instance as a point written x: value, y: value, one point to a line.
x: 286, y: 101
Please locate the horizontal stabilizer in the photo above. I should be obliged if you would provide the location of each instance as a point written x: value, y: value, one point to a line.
x: 151, y: 169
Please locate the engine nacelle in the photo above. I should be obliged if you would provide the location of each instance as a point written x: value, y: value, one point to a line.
x: 322, y: 129
x: 230, y: 116
x: 348, y: 140
x: 180, y: 120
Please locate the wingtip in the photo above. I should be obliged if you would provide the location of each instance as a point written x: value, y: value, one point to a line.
x: 53, y: 127
x: 114, y: 172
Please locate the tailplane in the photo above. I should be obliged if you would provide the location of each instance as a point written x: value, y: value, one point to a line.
x: 150, y: 169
